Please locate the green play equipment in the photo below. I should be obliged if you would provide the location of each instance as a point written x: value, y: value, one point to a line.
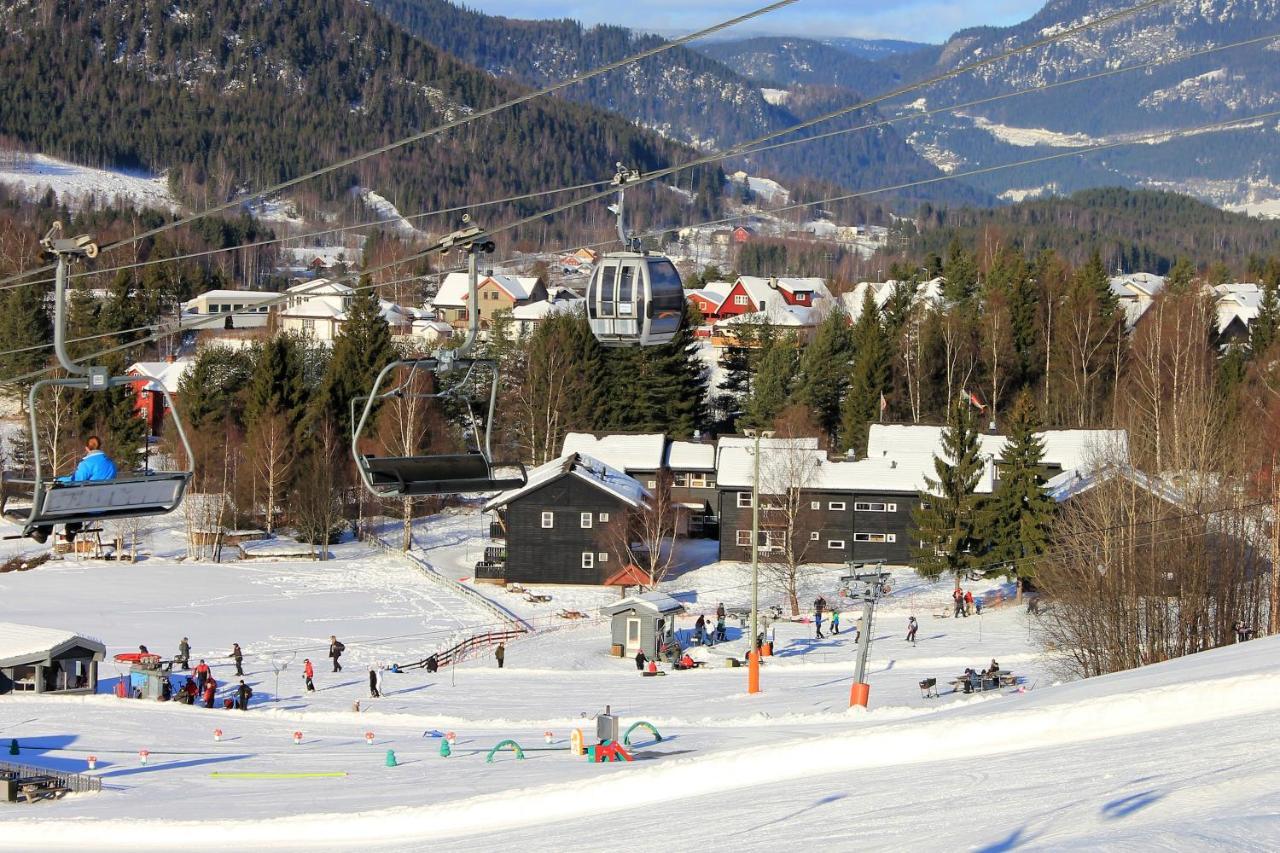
x: 445, y: 751
x: 626, y: 739
x: 514, y: 746
x: 391, y: 758
x: 13, y: 746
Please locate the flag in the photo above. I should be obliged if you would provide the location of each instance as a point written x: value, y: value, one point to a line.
x: 974, y: 400
x: 884, y: 404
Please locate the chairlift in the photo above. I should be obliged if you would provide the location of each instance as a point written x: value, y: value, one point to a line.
x: 449, y: 473
x: 40, y: 500
x: 635, y: 298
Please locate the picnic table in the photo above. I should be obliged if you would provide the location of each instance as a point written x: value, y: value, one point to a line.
x: 983, y: 681
x: 32, y: 787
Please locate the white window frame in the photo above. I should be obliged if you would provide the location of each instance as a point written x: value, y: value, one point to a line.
x: 653, y: 484
x: 585, y: 519
x: 548, y: 520
x: 815, y: 505
x: 740, y: 299
x: 876, y: 538
x: 837, y: 506
x: 588, y: 559
x: 602, y: 557
x: 603, y: 518
x: 874, y: 506
x: 680, y: 478
x: 835, y: 544
x: 743, y: 538
x: 814, y: 536
x: 744, y: 500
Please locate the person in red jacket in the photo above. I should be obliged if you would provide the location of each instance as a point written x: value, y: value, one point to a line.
x: 308, y: 673
x: 968, y: 601
x: 202, y: 674
x: 210, y: 688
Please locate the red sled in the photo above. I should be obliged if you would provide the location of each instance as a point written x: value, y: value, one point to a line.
x: 137, y: 657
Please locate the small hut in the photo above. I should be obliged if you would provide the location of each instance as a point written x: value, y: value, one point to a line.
x: 643, y: 622
x: 47, y: 660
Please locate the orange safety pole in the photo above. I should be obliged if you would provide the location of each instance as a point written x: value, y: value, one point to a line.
x: 858, y: 694
x: 753, y: 672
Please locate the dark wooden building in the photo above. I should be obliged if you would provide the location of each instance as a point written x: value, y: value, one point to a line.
x: 564, y: 525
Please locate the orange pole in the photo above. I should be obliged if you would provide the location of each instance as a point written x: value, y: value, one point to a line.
x: 753, y: 672
x: 858, y: 694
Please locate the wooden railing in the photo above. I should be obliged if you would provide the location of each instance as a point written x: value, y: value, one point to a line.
x: 461, y: 651
x: 74, y: 782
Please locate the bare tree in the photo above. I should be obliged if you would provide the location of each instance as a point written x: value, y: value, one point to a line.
x: 911, y: 348
x: 646, y: 537
x: 316, y: 504
x: 788, y: 520
x: 997, y: 342
x: 273, y: 452
x: 406, y: 426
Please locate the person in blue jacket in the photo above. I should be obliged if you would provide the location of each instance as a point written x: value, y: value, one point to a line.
x: 96, y: 465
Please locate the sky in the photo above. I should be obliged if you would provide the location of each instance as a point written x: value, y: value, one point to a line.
x: 911, y: 20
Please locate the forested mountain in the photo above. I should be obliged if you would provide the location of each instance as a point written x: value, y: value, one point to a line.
x: 1223, y: 167
x: 787, y: 62
x: 1132, y: 230
x: 681, y: 93
x: 875, y: 48
x: 230, y: 96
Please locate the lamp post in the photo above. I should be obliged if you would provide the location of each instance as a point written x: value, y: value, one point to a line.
x: 753, y: 651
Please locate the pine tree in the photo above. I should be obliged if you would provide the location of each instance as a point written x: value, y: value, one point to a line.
x: 209, y: 392
x: 656, y: 389
x: 868, y: 378
x: 277, y: 386
x: 24, y: 322
x: 773, y: 383
x: 361, y: 349
x: 1266, y: 327
x: 1020, y: 512
x: 946, y: 521
x: 962, y: 274
x: 824, y: 371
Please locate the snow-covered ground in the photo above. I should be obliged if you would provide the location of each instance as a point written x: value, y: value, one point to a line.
x: 1137, y: 759
x: 35, y: 174
x: 384, y: 209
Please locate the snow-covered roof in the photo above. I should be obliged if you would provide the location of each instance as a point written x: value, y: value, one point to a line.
x: 321, y: 287
x: 720, y: 288
x: 1067, y: 448
x: 734, y: 463
x: 776, y: 313
x: 928, y: 294
x: 245, y: 296
x: 712, y: 296
x: 19, y: 643
x: 453, y: 290
x: 778, y: 466
x: 583, y: 467
x: 1236, y: 301
x: 394, y: 314
x: 316, y: 309
x: 1069, y: 484
x: 163, y: 374
x: 1142, y: 285
x: 657, y: 602
x: 763, y: 290
x: 691, y: 456
x: 626, y: 452
x: 543, y: 309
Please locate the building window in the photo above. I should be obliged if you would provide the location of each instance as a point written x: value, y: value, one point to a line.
x: 814, y: 536
x: 744, y: 538
x: 548, y: 520
x: 836, y: 506
x: 702, y: 481
x: 604, y: 517
x: 308, y: 325
x: 835, y: 544
x: 585, y: 518
x: 802, y: 297
x: 874, y: 506
x: 740, y: 299
x: 680, y: 478
x: 744, y: 500
x: 602, y: 557
x: 815, y: 505
x: 588, y: 560
x: 653, y: 484
x: 875, y: 537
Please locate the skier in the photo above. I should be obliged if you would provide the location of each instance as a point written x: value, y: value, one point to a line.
x: 243, y: 692
x: 912, y: 627
x: 95, y: 466
x: 237, y: 656
x: 819, y: 605
x: 968, y: 601
x: 640, y: 660
x: 210, y: 690
x: 721, y: 632
x: 308, y: 674
x: 202, y: 674
x: 835, y: 621
x: 373, y: 683
x: 500, y: 654
x: 720, y: 610
x: 335, y: 651
x: 183, y: 658
x: 957, y: 597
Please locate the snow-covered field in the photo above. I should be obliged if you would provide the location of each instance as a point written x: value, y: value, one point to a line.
x: 1172, y: 755
x: 35, y: 174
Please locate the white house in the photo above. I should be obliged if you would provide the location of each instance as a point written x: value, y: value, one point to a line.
x: 1135, y: 292
x: 316, y: 309
x: 928, y: 294
x: 245, y: 309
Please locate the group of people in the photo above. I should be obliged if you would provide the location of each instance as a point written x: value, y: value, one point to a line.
x: 200, y: 686
x: 965, y: 603
x: 704, y: 634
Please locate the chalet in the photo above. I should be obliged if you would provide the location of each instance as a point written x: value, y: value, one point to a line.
x: 928, y: 295
x: 525, y: 318
x: 647, y: 456
x: 495, y: 293
x: 752, y: 294
x: 154, y: 377
x: 1134, y: 293
x: 316, y: 309
x: 803, y: 322
x: 563, y: 525
x: 45, y: 660
x: 1236, y: 306
x: 707, y: 301
x: 244, y: 309
x: 742, y: 234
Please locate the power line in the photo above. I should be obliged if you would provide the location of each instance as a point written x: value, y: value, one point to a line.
x: 450, y: 125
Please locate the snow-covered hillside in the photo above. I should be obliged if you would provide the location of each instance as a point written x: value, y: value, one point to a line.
x: 36, y: 174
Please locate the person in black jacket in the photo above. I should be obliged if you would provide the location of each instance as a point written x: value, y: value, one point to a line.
x: 640, y: 660
x: 433, y: 663
x: 243, y: 692
x: 184, y: 654
x: 335, y: 651
x: 237, y: 656
x: 373, y: 683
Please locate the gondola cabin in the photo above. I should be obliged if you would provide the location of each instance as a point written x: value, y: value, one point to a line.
x: 635, y: 299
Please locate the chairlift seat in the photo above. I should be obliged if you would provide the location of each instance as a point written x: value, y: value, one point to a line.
x: 94, y: 500
x: 444, y: 474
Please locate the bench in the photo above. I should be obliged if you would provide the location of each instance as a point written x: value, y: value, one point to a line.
x: 983, y: 683
x: 929, y: 688
x: 42, y: 790
x: 572, y: 614
x: 534, y: 598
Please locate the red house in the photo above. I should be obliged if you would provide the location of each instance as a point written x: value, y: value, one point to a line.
x: 708, y: 302
x: 742, y: 234
x: 752, y: 294
x: 148, y: 398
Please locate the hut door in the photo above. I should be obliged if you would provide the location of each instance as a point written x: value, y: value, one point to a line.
x: 633, y: 636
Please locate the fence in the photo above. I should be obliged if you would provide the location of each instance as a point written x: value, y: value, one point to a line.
x: 74, y: 782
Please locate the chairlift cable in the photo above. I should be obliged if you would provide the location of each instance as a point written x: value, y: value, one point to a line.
x: 439, y: 129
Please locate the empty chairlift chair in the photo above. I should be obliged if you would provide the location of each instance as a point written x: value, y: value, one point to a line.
x: 435, y: 474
